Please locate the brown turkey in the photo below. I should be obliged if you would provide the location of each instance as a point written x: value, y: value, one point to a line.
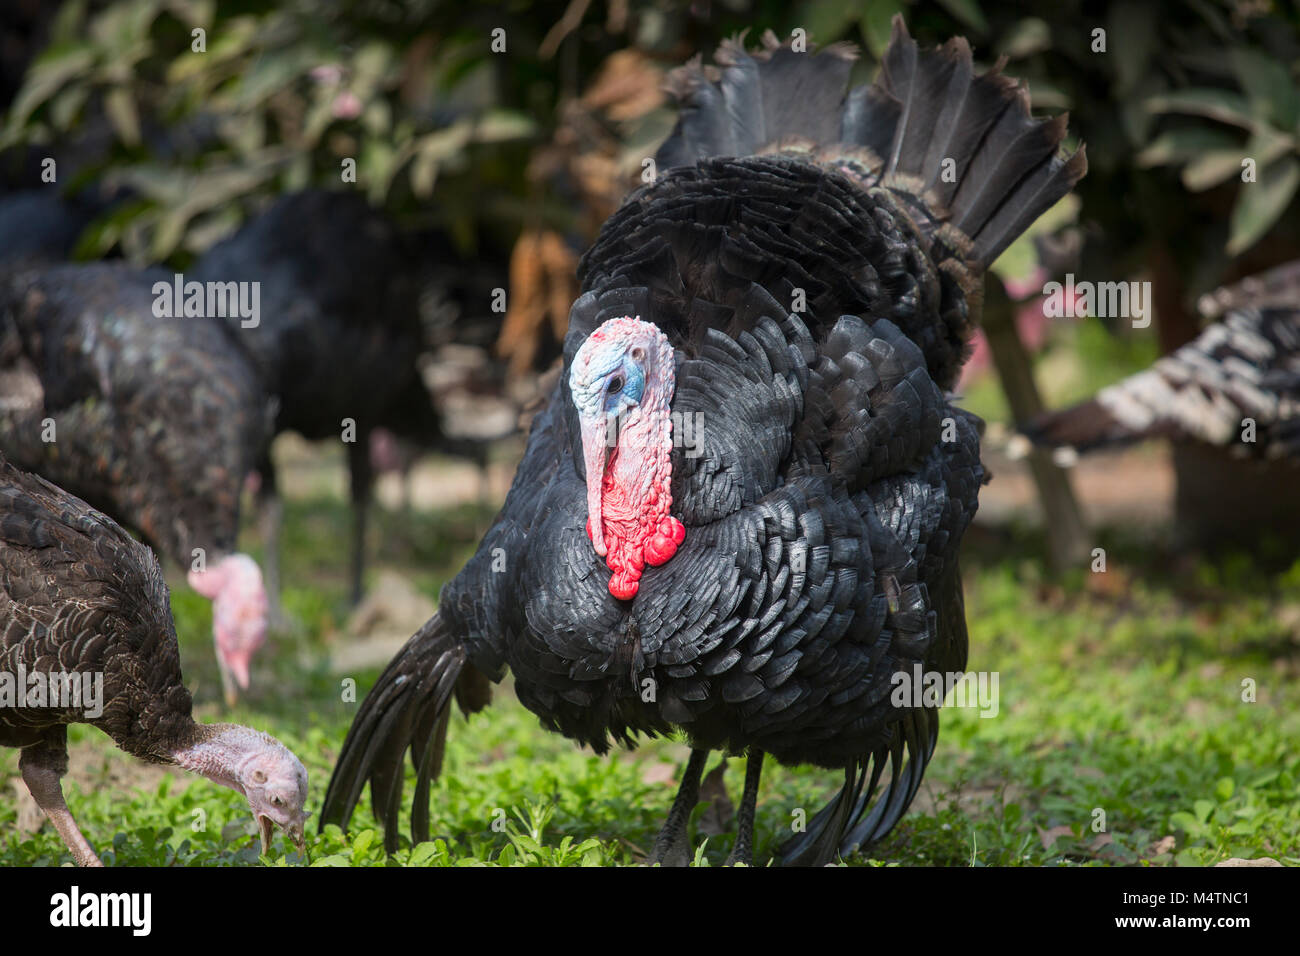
x: 86, y: 636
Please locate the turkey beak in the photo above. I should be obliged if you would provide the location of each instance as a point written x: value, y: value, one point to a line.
x: 295, y: 832
x: 595, y: 453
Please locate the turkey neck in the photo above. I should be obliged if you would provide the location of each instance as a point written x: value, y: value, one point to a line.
x: 638, y: 466
x: 218, y: 752
x: 636, y: 489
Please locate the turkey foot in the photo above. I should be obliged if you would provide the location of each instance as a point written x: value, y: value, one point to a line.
x: 672, y: 846
x: 743, y: 851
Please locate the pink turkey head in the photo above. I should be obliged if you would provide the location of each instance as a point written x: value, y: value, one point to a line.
x: 622, y: 382
x: 257, y: 765
x: 239, y: 609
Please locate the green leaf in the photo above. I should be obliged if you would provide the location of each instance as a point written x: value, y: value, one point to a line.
x: 1224, y: 789
x: 424, y: 853
x: 444, y: 143
x: 1029, y: 36
x: 497, y: 126
x: 1268, y: 86
x: 122, y: 29
x: 46, y: 76
x: 876, y: 23
x: 361, y: 844
x: 65, y: 108
x: 1180, y: 145
x: 236, y: 36
x: 828, y: 21
x: 1132, y: 33
x: 424, y: 173
x: 119, y: 104
x: 69, y: 23
x: 1260, y: 204
x: 1267, y: 144
x: 1212, y: 168
x: 1221, y: 105
x: 269, y: 75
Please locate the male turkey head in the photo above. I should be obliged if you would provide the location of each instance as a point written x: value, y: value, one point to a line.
x: 239, y: 610
x: 622, y: 383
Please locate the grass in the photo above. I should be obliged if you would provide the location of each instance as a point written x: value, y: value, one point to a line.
x: 1121, y: 703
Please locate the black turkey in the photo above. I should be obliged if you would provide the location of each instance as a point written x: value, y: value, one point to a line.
x: 41, y: 227
x: 338, y: 338
x: 86, y: 636
x: 155, y: 420
x: 1236, y: 385
x: 738, y: 517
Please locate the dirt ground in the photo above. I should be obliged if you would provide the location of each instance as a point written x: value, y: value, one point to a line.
x: 1132, y: 486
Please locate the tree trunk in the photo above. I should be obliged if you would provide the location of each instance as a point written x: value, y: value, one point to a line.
x: 1068, y: 542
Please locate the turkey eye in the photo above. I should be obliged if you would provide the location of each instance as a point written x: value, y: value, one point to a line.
x: 615, y: 385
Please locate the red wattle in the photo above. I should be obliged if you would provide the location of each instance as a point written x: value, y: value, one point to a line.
x: 659, y: 549
x: 674, y: 529
x: 623, y: 588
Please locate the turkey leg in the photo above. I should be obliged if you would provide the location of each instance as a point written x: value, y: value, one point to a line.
x: 271, y: 519
x: 43, y: 767
x: 672, y: 846
x: 361, y: 475
x: 743, y: 851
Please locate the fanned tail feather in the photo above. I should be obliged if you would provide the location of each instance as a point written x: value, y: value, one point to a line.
x: 1083, y: 427
x: 843, y: 826
x: 408, y: 708
x: 975, y: 167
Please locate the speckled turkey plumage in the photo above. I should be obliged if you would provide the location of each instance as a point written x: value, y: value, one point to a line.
x: 1244, y: 366
x: 833, y: 481
x: 157, y: 420
x: 78, y: 594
